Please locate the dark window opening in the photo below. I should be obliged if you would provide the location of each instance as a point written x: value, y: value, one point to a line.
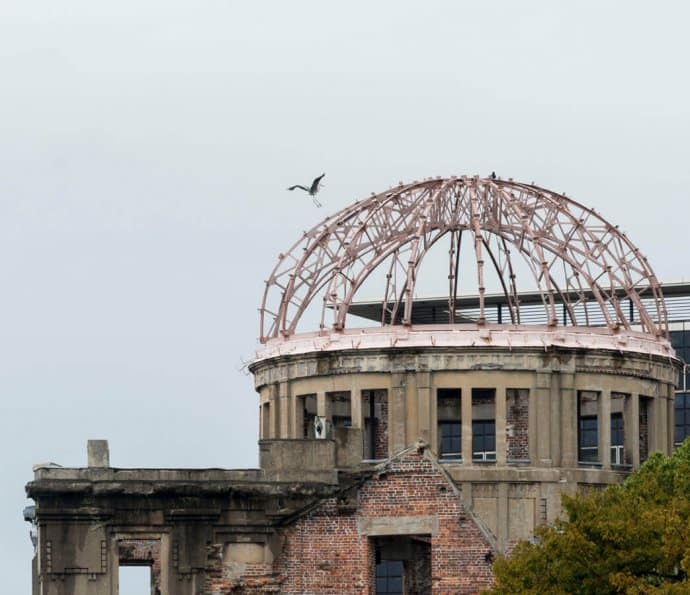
x: 402, y: 565
x: 342, y: 421
x: 517, y: 424
x: 588, y: 426
x: 589, y: 439
x: 340, y: 407
x: 617, y: 439
x: 448, y: 413
x: 308, y: 416
x: 484, y: 440
x: 484, y: 425
x: 389, y: 577
x: 680, y: 340
x: 682, y: 417
x: 450, y: 435
x: 375, y: 435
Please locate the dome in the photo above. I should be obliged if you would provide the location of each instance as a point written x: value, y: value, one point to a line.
x: 583, y: 267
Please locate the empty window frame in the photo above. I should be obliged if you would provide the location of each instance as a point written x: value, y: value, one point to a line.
x: 450, y: 437
x: 682, y: 417
x: 588, y: 439
x: 680, y: 339
x: 340, y: 407
x: 588, y: 426
x: 617, y: 439
x: 484, y: 440
x: 375, y: 435
x: 448, y: 413
x: 135, y: 580
x: 484, y: 425
x: 517, y: 424
x: 308, y: 415
x: 389, y: 577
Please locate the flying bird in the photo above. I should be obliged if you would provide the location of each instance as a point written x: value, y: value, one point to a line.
x: 312, y: 190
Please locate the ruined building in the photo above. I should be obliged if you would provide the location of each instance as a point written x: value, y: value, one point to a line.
x: 403, y: 442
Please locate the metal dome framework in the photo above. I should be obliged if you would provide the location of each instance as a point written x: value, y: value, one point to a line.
x: 577, y: 258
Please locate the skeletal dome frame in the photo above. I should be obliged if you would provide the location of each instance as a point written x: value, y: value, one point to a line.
x: 576, y: 257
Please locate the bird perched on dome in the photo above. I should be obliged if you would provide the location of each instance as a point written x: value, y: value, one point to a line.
x: 312, y: 190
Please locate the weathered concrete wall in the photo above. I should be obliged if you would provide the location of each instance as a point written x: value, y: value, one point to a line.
x: 310, y: 518
x: 301, y: 460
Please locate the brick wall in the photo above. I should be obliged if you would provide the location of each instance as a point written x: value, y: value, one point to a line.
x: 517, y: 416
x: 323, y: 552
x: 381, y: 429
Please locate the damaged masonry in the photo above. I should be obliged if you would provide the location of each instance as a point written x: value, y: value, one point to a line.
x: 399, y: 458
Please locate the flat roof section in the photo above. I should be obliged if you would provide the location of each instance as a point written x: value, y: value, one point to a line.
x: 435, y: 310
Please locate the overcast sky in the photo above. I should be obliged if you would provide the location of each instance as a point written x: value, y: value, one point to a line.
x: 145, y: 148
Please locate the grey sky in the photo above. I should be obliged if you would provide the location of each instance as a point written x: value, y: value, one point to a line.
x: 146, y: 146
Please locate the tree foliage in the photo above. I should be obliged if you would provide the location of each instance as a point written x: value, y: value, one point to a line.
x: 630, y: 538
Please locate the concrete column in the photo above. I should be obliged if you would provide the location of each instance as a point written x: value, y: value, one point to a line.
x: 654, y: 437
x: 532, y: 426
x: 273, y: 412
x: 411, y: 408
x: 466, y: 414
x: 433, y: 416
x: 298, y: 411
x: 671, y: 418
x: 501, y: 438
x: 323, y: 405
x: 662, y: 428
x: 631, y: 430
x: 356, y: 407
x: 556, y: 412
x: 284, y: 416
x: 264, y: 421
x: 604, y: 418
x: 397, y: 440
x: 568, y: 420
x: 502, y: 516
x: 543, y: 429
x: 424, y: 396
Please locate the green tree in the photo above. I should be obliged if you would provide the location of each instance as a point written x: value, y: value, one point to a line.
x: 630, y: 538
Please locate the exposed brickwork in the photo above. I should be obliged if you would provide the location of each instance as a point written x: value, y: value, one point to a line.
x: 418, y: 573
x: 517, y: 416
x: 250, y: 579
x: 381, y: 428
x: 644, y: 430
x: 324, y: 552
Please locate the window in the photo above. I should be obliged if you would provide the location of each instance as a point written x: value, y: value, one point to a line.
x: 617, y: 441
x: 682, y: 410
x: 449, y: 422
x: 341, y: 421
x: 308, y: 415
x: 134, y: 580
x: 484, y: 440
x: 588, y: 439
x: 389, y: 577
x: 681, y: 343
x: 450, y: 434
